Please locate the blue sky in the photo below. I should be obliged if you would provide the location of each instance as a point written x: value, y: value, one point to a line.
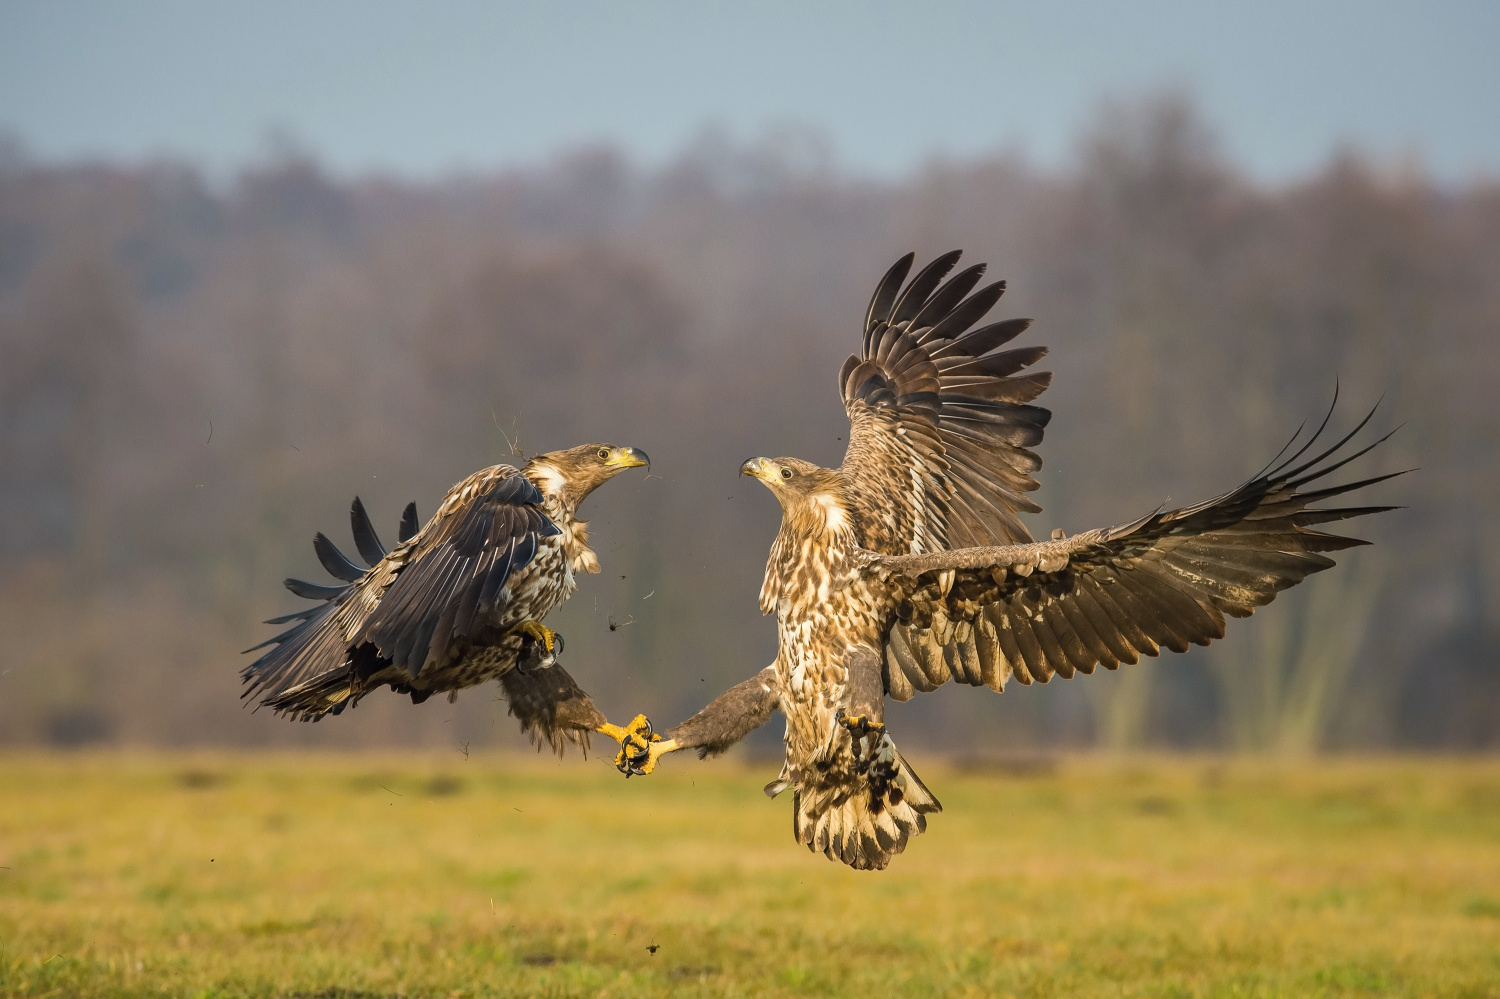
x: 424, y: 89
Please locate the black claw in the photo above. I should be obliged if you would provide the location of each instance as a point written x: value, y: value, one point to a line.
x: 635, y: 751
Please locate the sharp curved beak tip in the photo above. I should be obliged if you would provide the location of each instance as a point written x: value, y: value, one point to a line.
x: 631, y: 457
x: 752, y: 467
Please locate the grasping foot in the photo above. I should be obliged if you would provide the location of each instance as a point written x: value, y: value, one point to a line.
x: 860, y: 725
x: 633, y: 739
x: 640, y: 746
x: 543, y: 635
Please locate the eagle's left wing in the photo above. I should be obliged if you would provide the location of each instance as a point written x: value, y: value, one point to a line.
x: 940, y: 424
x: 983, y: 615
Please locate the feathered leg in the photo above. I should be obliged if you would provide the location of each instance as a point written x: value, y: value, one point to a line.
x: 733, y: 715
x: 552, y: 708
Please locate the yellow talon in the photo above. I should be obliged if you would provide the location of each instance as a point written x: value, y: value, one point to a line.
x: 538, y: 631
x: 640, y: 746
x: 642, y: 724
x: 860, y: 724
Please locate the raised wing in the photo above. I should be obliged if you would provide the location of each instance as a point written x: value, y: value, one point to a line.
x: 415, y: 600
x: 940, y: 424
x: 983, y: 615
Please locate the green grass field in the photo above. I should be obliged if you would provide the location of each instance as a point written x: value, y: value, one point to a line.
x: 345, y: 876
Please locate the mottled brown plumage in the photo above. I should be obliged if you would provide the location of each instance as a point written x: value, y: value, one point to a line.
x: 454, y: 604
x: 907, y: 565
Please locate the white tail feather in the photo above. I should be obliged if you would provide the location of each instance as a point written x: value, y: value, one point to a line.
x: 864, y: 818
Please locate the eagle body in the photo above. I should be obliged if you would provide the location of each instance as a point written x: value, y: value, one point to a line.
x: 908, y: 566
x: 456, y: 603
x: 491, y: 647
x: 818, y: 615
x: 847, y: 785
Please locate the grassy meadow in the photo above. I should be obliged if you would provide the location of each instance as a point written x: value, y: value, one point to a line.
x: 355, y: 876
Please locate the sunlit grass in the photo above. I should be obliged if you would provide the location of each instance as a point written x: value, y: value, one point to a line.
x: 500, y: 876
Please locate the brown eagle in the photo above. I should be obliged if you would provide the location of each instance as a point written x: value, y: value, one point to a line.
x: 454, y: 604
x: 906, y: 566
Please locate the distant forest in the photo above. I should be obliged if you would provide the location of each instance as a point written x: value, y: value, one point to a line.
x: 196, y: 377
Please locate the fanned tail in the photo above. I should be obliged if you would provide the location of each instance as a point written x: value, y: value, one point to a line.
x: 866, y: 818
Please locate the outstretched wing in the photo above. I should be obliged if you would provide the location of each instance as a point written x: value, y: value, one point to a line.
x: 940, y: 426
x: 983, y: 615
x: 415, y: 600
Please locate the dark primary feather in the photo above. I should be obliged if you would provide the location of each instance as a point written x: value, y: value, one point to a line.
x: 1167, y: 580
x: 365, y: 538
x: 884, y: 299
x: 338, y: 564
x: 942, y: 304
x: 911, y: 301
x: 953, y: 319
x: 409, y: 524
x: 312, y: 591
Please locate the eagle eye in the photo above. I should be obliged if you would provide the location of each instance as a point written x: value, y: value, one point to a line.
x: 604, y: 452
x: 786, y: 473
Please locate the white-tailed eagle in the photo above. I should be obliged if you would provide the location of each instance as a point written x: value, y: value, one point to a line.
x: 456, y: 603
x: 907, y: 566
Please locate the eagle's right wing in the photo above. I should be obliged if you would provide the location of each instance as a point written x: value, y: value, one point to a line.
x: 414, y: 601
x: 983, y: 615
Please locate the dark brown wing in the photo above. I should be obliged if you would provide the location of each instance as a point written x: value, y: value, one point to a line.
x: 940, y: 424
x: 416, y: 599
x: 1109, y: 596
x: 458, y: 567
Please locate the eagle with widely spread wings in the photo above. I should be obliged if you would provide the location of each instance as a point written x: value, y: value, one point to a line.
x: 456, y: 603
x: 907, y: 566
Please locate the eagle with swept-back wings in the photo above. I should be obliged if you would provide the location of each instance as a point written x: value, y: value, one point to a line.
x: 456, y: 603
x: 907, y: 566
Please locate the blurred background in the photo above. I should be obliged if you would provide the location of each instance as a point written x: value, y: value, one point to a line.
x: 258, y: 259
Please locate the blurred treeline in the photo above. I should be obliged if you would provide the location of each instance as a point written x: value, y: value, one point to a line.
x: 193, y: 379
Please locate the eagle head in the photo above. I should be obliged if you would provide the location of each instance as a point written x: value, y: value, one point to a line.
x: 810, y: 495
x: 572, y: 474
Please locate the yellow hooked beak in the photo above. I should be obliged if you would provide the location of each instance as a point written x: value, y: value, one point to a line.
x: 756, y: 469
x: 628, y: 457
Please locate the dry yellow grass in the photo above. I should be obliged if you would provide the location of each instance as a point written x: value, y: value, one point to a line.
x: 499, y: 876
